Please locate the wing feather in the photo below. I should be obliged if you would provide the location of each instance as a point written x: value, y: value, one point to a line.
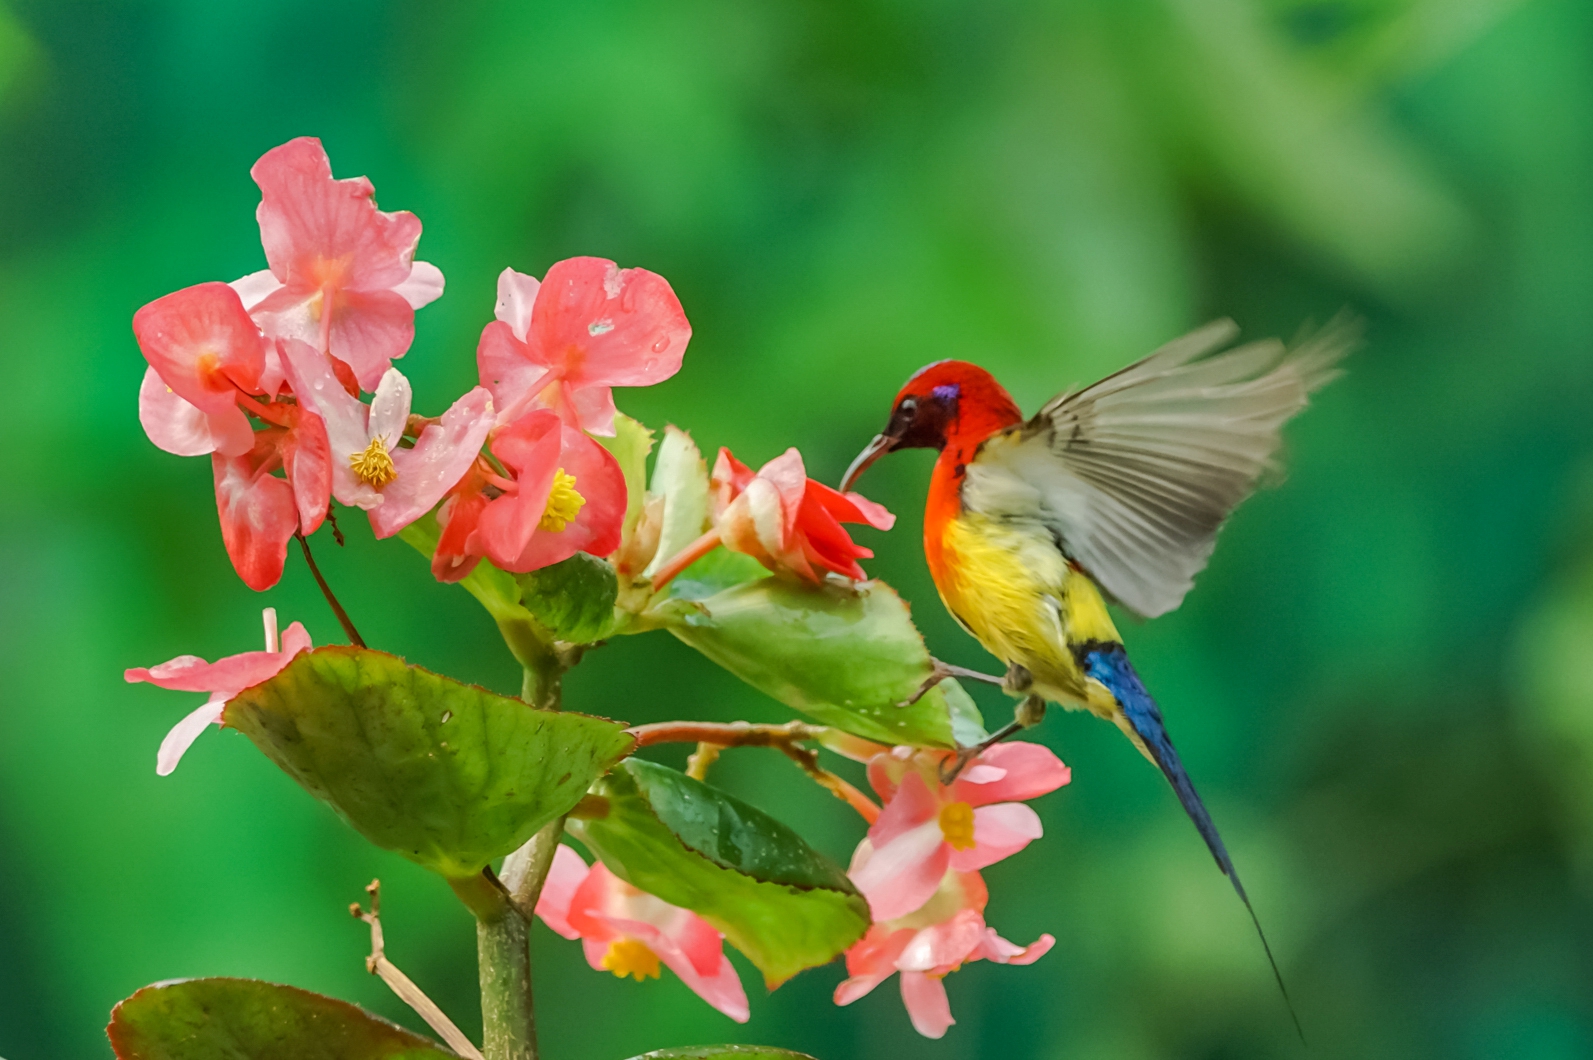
x: 1135, y: 475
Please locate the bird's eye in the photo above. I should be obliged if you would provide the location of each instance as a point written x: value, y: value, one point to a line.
x: 909, y: 404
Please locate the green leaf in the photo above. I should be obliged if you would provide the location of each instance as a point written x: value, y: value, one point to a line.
x: 715, y: 1052
x: 245, y: 1019
x: 445, y: 773
x: 573, y: 599
x: 680, y: 477
x: 495, y: 589
x: 780, y: 902
x: 844, y: 656
x: 630, y: 445
x: 719, y: 570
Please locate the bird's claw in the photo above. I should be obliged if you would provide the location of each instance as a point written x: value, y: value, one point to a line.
x: 1028, y: 714
x: 1016, y: 682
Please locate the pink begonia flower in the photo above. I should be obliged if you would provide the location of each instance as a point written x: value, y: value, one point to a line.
x: 370, y: 470
x: 927, y: 945
x: 223, y: 679
x: 203, y: 348
x: 343, y: 276
x: 588, y: 326
x: 629, y: 932
x: 785, y: 520
x: 566, y: 495
x: 928, y: 828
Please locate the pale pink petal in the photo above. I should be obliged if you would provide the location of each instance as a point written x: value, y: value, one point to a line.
x: 258, y: 516
x: 942, y: 947
x: 294, y: 640
x: 390, y: 408
x: 565, y: 876
x: 171, y: 422
x: 871, y: 961
x: 256, y: 287
x: 693, y: 950
x: 927, y: 1006
x: 911, y: 806
x: 620, y: 327
x: 343, y: 415
x: 594, y: 410
x: 185, y: 732
x: 185, y: 673
x: 370, y: 330
x: 517, y: 293
x: 977, y: 773
x: 999, y: 832
x: 440, y: 458
x: 319, y: 231
x: 595, y: 950
x: 505, y: 368
x: 1028, y: 771
x: 995, y: 948
x: 424, y: 286
x: 902, y: 874
x: 307, y: 459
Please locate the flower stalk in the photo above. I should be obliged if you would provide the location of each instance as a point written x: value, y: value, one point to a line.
x: 504, y: 968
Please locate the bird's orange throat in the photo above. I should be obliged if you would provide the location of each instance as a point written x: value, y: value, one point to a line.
x: 944, y: 503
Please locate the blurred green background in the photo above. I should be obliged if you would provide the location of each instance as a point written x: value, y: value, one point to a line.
x: 1383, y: 683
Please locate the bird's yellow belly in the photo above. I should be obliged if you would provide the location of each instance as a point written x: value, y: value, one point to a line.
x: 1014, y: 591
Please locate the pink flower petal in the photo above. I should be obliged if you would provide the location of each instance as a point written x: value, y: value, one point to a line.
x: 999, y: 832
x: 691, y: 948
x: 319, y: 231
x: 1028, y: 771
x: 597, y: 527
x: 507, y: 371
x: 343, y: 416
x: 294, y: 640
x: 925, y: 999
x: 258, y: 516
x: 594, y: 410
x: 424, y: 286
x: 517, y: 293
x: 942, y: 947
x: 256, y: 287
x: 171, y: 422
x: 620, y: 327
x: 530, y: 447
x: 440, y: 458
x: 912, y: 805
x: 902, y: 874
x: 390, y: 408
x: 995, y: 948
x: 307, y: 459
x: 565, y: 876
x: 204, y: 346
x: 370, y: 330
x: 185, y: 732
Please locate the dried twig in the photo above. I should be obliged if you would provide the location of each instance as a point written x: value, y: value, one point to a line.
x: 400, y: 984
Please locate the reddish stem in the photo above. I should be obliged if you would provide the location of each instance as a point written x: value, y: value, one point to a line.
x: 685, y: 558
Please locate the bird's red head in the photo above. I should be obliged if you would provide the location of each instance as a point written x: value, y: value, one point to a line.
x: 948, y: 402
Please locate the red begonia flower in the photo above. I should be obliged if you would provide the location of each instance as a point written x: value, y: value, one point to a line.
x: 369, y: 468
x: 928, y: 827
x: 343, y: 276
x: 223, y: 679
x: 630, y: 932
x: 204, y: 348
x: 588, y: 326
x: 565, y: 494
x: 787, y: 521
x: 929, y: 944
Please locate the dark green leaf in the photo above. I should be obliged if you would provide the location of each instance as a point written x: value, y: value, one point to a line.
x: 715, y: 1052
x: 841, y: 655
x: 574, y: 599
x: 447, y: 774
x: 245, y: 1019
x: 776, y: 899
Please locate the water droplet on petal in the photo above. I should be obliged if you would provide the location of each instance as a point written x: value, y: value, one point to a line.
x: 661, y: 345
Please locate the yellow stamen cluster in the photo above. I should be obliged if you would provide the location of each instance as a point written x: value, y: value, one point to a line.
x: 374, y: 466
x: 957, y: 825
x: 631, y: 957
x: 564, y: 504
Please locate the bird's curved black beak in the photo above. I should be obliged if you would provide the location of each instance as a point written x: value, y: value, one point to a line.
x: 882, y: 444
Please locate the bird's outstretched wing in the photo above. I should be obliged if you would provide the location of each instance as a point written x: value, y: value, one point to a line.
x: 1135, y: 474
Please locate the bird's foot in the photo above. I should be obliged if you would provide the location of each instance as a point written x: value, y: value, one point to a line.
x: 940, y: 671
x: 1029, y: 713
x: 1017, y: 681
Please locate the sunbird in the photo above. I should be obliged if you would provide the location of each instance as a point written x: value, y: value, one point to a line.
x: 1114, y: 492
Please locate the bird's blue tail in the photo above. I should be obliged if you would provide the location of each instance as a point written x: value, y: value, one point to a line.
x: 1109, y: 665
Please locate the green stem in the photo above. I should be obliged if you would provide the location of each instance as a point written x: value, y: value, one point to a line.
x: 504, y: 963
